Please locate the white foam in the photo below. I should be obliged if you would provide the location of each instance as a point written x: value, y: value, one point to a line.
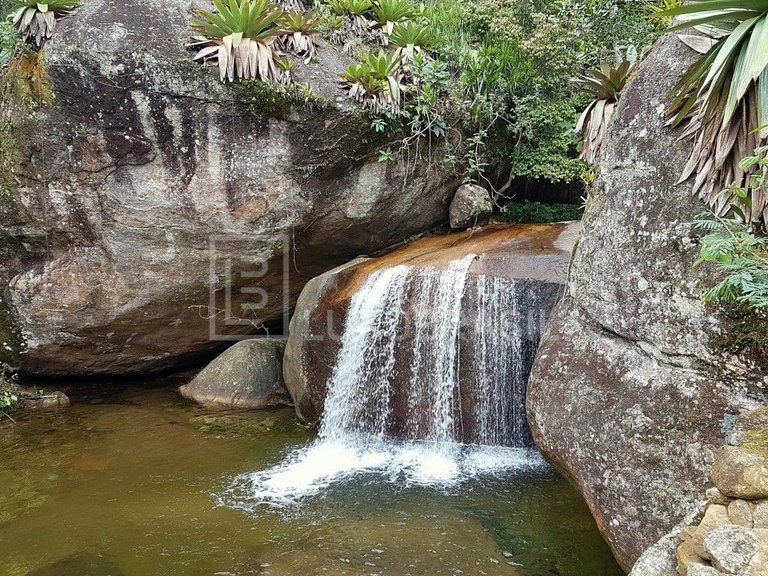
x: 309, y: 471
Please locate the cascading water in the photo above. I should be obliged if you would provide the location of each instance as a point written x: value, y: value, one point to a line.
x: 416, y: 375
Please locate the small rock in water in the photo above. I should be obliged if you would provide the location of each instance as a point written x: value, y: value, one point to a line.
x: 377, y: 550
x: 506, y: 554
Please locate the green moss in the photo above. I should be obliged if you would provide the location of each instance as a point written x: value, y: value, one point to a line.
x: 754, y: 426
x: 11, y: 343
x: 745, y: 333
x: 274, y: 101
x: 24, y: 87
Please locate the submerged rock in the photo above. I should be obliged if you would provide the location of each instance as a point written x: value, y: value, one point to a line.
x: 147, y: 211
x: 32, y: 400
x: 628, y: 396
x: 247, y: 375
x: 484, y: 297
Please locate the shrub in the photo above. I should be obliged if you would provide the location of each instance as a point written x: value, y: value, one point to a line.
x: 10, y: 393
x: 298, y: 34
x: 538, y: 212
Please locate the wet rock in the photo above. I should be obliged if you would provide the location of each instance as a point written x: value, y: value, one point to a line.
x: 730, y: 548
x: 150, y: 210
x: 45, y: 401
x: 471, y: 206
x: 246, y: 375
x: 533, y: 258
x: 625, y: 397
x: 740, y: 473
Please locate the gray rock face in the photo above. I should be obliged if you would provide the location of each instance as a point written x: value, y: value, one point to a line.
x: 533, y: 257
x: 139, y: 196
x: 471, y: 206
x: 247, y: 375
x: 624, y: 397
x: 731, y: 547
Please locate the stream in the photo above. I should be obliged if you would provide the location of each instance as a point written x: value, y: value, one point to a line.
x: 132, y: 480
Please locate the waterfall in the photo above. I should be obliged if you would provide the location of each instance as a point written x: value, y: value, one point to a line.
x: 428, y: 385
x: 419, y: 390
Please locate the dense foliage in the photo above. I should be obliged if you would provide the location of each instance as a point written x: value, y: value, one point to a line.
x: 491, y: 75
x: 538, y: 212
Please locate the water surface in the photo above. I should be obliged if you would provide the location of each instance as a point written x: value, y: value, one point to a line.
x: 126, y: 481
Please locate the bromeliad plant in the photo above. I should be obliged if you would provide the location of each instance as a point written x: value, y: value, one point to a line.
x: 355, y: 14
x: 411, y: 38
x: 298, y: 35
x: 239, y: 39
x: 376, y: 82
x: 387, y: 13
x: 604, y: 84
x: 722, y: 100
x: 36, y: 21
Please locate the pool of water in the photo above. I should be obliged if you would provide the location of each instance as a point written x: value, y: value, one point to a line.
x: 132, y: 480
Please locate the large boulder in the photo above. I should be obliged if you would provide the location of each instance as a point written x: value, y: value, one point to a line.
x: 246, y: 375
x: 525, y: 263
x: 629, y: 395
x: 471, y: 206
x: 147, y: 211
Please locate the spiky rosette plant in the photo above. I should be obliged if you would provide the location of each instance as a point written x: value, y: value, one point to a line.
x: 376, y: 82
x: 387, y: 13
x: 411, y: 38
x: 36, y: 21
x: 239, y: 39
x: 604, y: 84
x: 722, y: 100
x: 288, y: 5
x: 298, y: 34
x: 355, y: 14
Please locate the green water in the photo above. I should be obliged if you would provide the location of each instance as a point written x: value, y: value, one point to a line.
x: 123, y: 484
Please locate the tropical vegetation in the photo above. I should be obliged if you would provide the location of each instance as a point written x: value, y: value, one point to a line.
x: 36, y: 21
x: 490, y: 78
x: 739, y: 248
x: 604, y: 84
x: 722, y: 100
x: 239, y: 39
